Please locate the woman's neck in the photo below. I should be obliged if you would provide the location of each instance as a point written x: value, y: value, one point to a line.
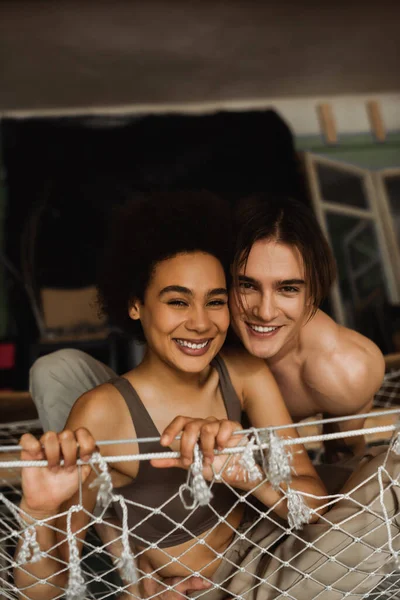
x: 167, y: 375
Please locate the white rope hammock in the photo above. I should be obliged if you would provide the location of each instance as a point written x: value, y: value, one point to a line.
x: 351, y: 552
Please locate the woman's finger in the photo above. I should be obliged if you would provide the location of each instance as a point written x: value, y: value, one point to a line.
x: 226, y: 429
x: 87, y: 443
x: 189, y: 438
x: 69, y: 448
x: 31, y: 448
x: 173, y: 429
x: 166, y: 463
x: 208, y: 436
x: 51, y: 449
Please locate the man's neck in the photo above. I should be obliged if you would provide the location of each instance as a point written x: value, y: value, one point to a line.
x: 295, y: 346
x: 289, y: 352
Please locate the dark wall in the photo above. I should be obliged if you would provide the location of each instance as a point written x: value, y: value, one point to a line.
x: 64, y: 176
x: 69, y: 175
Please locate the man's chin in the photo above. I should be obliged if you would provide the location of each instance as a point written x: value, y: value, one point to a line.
x: 258, y: 349
x: 262, y: 353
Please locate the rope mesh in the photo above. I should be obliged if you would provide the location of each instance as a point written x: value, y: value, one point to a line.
x: 351, y: 552
x: 389, y: 393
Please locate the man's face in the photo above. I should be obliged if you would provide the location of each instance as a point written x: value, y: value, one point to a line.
x: 269, y: 306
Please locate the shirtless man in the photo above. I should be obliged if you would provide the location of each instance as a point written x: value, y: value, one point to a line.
x: 283, y: 269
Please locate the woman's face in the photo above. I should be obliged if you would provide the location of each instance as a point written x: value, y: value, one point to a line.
x: 185, y: 313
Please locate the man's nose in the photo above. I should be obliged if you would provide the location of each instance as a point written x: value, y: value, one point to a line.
x: 265, y: 309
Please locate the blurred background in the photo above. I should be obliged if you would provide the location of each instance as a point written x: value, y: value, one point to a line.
x: 102, y: 100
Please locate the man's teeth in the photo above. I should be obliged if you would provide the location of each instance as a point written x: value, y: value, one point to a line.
x: 192, y: 345
x: 261, y: 329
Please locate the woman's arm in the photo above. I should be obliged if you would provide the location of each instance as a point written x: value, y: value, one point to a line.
x: 265, y: 407
x: 49, y: 491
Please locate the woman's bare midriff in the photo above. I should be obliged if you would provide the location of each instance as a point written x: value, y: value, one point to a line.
x: 195, y: 557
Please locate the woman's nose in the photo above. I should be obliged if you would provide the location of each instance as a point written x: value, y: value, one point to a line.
x: 199, y: 320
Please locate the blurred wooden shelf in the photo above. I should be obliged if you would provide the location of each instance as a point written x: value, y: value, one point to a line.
x: 392, y: 361
x: 16, y: 406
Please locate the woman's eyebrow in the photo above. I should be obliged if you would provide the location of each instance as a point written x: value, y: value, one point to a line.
x: 217, y: 292
x: 184, y: 290
x: 176, y: 288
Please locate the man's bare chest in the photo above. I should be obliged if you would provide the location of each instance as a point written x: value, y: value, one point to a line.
x: 297, y: 397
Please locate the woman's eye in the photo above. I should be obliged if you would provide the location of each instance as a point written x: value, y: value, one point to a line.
x: 217, y: 303
x: 177, y: 303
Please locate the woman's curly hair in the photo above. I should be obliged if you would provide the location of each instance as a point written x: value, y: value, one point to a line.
x: 153, y: 228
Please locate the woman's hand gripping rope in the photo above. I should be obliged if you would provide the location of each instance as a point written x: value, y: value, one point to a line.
x: 45, y: 489
x: 210, y: 434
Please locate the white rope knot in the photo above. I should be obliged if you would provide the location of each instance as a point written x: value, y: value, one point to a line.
x: 76, y: 589
x: 126, y: 562
x: 30, y: 549
x: 127, y: 568
x: 103, y: 481
x: 105, y: 495
x: 248, y: 462
x: 299, y: 513
x: 195, y: 483
x: 279, y: 470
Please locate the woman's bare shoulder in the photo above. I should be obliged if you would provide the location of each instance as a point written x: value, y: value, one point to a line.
x: 102, y: 410
x: 240, y: 362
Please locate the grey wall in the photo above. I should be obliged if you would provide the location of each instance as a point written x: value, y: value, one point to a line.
x: 58, y: 54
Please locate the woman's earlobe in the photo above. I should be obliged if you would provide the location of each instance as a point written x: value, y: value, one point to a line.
x: 134, y: 311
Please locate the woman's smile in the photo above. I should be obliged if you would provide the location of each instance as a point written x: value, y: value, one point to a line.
x: 193, y: 347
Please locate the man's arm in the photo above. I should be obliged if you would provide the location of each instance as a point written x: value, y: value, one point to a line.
x: 343, y: 381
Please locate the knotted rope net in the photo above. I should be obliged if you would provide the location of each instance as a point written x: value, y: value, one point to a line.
x: 389, y: 393
x: 352, y: 551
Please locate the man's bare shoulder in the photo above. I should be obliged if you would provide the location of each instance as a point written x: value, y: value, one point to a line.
x: 342, y: 367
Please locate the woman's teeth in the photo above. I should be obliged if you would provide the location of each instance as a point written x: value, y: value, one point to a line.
x: 192, y: 345
x: 261, y: 329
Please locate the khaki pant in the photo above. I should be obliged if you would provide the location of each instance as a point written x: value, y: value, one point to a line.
x: 268, y: 562
x: 58, y: 379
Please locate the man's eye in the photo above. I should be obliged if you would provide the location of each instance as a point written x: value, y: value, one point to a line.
x: 177, y: 303
x: 289, y: 289
x: 245, y: 285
